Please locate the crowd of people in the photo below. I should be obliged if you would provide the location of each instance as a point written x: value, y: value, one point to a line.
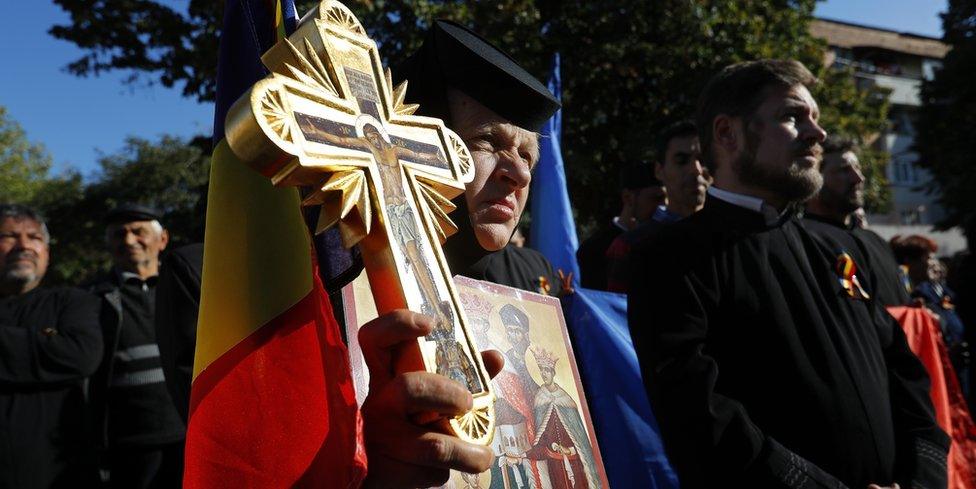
x: 756, y: 303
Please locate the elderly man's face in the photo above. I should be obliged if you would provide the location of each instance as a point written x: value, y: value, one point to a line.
x: 504, y: 155
x: 843, y: 182
x: 782, y: 149
x: 136, y: 243
x: 23, y: 253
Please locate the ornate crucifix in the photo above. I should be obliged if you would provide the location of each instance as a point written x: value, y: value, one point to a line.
x: 328, y: 120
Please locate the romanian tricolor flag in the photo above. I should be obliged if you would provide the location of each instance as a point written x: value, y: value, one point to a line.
x: 272, y: 401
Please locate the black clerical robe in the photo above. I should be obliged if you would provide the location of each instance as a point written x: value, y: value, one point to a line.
x: 522, y: 268
x: 890, y: 288
x: 592, y: 256
x: 881, y: 270
x: 763, y: 370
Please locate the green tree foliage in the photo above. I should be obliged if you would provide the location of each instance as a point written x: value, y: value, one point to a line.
x: 24, y: 166
x: 947, y: 120
x: 630, y: 67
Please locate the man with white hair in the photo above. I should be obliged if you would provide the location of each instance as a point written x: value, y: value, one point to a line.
x: 49, y: 344
x: 139, y: 428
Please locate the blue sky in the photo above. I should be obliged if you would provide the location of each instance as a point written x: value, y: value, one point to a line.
x: 77, y: 118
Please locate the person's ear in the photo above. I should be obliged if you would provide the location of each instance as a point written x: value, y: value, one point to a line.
x: 727, y: 133
x: 163, y: 239
x: 659, y: 171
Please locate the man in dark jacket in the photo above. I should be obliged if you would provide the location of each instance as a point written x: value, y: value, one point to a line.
x: 138, y: 424
x: 50, y: 343
x: 763, y: 359
x: 496, y: 106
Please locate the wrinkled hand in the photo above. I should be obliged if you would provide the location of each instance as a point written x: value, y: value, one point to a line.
x: 875, y: 486
x: 402, y: 453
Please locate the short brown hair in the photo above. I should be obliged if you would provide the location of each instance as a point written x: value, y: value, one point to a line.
x: 738, y: 91
x: 838, y: 143
x: 911, y: 248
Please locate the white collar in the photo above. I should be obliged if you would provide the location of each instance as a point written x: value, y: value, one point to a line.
x: 755, y: 204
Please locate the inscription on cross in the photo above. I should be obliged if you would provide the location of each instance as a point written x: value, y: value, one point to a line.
x: 328, y: 120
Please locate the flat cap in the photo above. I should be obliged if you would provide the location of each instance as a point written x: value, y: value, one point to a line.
x: 453, y: 56
x: 129, y: 212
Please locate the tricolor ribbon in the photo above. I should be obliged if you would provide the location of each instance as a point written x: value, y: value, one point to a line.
x: 847, y: 275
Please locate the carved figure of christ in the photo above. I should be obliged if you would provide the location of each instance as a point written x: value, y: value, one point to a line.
x: 452, y: 362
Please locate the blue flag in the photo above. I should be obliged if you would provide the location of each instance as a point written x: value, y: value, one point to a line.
x: 553, y: 232
x: 626, y: 429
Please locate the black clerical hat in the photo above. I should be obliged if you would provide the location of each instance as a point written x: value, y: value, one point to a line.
x: 129, y: 212
x: 454, y: 57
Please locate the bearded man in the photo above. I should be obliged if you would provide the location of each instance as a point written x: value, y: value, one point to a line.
x: 830, y: 214
x: 50, y: 343
x: 765, y: 365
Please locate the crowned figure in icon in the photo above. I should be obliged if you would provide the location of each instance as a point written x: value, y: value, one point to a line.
x: 561, y: 443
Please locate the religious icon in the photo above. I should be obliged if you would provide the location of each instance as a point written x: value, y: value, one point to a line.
x: 329, y: 121
x: 543, y: 436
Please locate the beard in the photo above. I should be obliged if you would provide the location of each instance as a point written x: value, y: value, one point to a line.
x: 844, y: 202
x: 18, y: 275
x: 794, y: 184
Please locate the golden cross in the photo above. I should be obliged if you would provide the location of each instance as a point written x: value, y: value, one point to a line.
x: 328, y: 119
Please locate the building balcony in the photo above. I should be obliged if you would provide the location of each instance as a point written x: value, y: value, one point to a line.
x: 904, y: 90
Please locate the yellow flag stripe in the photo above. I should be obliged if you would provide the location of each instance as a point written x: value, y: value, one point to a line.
x: 256, y: 259
x: 280, y: 21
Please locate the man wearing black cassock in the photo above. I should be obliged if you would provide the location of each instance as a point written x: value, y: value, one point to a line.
x: 496, y: 107
x: 764, y: 365
x: 829, y: 215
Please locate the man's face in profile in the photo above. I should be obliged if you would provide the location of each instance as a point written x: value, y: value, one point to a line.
x: 504, y: 155
x: 781, y: 151
x: 843, y: 182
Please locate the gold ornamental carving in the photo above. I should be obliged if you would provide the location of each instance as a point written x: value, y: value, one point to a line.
x: 327, y: 119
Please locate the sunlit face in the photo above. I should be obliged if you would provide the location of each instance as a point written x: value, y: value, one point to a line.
x: 504, y: 155
x: 843, y: 182
x: 782, y: 152
x: 137, y: 243
x: 23, y: 253
x: 682, y: 172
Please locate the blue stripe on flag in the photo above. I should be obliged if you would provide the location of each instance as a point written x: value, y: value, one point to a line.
x: 629, y: 437
x: 553, y: 232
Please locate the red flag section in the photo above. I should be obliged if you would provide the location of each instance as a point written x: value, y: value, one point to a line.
x: 951, y: 412
x: 278, y: 409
